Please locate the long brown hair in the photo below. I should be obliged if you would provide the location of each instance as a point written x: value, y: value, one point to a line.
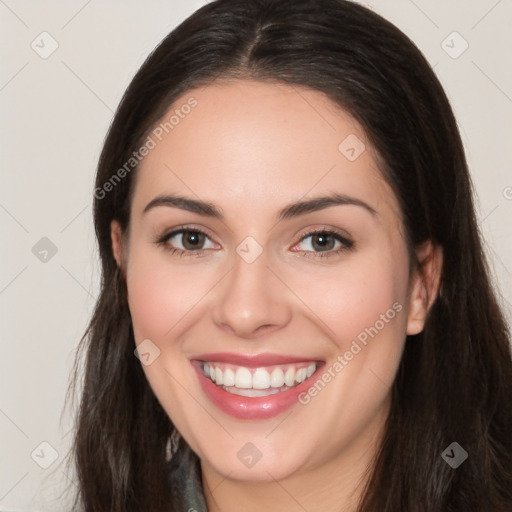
x: 454, y: 382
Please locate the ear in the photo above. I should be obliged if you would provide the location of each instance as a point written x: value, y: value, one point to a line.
x: 118, y: 250
x: 425, y: 285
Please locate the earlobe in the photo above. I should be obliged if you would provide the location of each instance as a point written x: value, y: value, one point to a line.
x: 425, y: 285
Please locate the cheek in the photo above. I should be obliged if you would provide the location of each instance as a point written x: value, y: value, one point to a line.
x: 364, y: 307
x: 161, y: 294
x: 362, y: 294
x: 163, y: 299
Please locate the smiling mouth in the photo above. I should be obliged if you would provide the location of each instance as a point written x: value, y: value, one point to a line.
x: 260, y: 381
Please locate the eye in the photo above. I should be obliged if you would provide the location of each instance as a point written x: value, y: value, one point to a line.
x: 191, y: 242
x: 323, y: 243
x: 185, y: 242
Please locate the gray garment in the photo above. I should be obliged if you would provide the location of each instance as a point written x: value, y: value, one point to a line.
x: 185, y: 478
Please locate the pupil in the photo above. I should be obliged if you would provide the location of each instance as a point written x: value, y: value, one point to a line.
x: 193, y: 239
x: 323, y: 240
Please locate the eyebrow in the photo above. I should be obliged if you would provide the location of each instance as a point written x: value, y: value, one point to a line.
x: 289, y: 211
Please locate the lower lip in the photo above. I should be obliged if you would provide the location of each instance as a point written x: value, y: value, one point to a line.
x: 250, y: 408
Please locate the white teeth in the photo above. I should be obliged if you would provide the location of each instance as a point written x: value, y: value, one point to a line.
x: 300, y: 375
x: 260, y: 379
x: 252, y: 392
x: 229, y: 377
x: 218, y: 376
x: 277, y: 378
x: 289, y: 377
x: 235, y: 378
x: 243, y: 378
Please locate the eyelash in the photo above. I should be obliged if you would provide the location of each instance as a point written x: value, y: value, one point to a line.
x: 346, y: 244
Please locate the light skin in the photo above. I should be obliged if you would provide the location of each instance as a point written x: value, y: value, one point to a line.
x: 251, y: 149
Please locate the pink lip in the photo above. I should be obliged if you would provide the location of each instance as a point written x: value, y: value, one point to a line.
x: 253, y: 361
x: 251, y: 408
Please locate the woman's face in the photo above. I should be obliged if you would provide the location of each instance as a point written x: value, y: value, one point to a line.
x: 257, y: 297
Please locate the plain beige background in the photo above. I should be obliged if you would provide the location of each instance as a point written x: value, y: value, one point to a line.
x: 54, y: 115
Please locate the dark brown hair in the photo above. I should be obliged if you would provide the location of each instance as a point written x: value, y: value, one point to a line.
x: 455, y: 379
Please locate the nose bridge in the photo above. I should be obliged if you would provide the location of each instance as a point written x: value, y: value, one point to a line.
x: 251, y: 297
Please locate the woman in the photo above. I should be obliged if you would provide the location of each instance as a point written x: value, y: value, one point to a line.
x: 295, y: 310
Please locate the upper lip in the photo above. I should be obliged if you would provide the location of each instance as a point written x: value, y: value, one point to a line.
x: 251, y: 361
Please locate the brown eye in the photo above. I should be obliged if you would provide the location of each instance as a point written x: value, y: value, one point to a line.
x: 324, y: 241
x: 185, y: 241
x: 192, y: 240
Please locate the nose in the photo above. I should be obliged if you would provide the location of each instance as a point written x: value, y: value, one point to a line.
x: 251, y: 300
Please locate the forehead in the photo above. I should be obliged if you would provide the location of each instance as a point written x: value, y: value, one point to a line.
x: 253, y: 144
